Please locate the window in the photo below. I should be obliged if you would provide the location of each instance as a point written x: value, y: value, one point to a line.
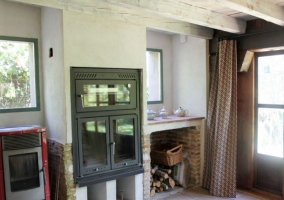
x: 154, y: 76
x: 270, y: 103
x: 19, y: 84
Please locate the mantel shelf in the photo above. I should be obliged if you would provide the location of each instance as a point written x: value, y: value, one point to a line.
x: 171, y: 122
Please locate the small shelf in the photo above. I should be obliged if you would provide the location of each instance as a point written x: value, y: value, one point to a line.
x: 171, y: 122
x: 172, y: 119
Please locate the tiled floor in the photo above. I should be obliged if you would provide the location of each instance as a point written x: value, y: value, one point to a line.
x: 202, y: 194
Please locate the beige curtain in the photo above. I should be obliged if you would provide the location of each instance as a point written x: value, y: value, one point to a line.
x: 221, y: 133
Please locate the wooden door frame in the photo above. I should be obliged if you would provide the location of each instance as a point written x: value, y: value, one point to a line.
x: 256, y: 106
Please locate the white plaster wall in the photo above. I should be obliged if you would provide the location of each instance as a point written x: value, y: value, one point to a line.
x: 102, y: 191
x: 92, y: 41
x: 190, y: 75
x: 158, y: 40
x: 53, y: 74
x: 130, y: 187
x: 20, y: 20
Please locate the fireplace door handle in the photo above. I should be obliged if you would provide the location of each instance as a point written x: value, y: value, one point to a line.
x: 113, y: 147
x: 82, y: 99
x: 44, y: 178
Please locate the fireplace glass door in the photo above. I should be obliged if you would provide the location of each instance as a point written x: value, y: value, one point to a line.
x: 124, y: 131
x: 95, y: 95
x: 24, y: 175
x: 94, y: 136
x: 107, y: 143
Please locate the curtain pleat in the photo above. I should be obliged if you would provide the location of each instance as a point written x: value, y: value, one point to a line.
x: 221, y: 133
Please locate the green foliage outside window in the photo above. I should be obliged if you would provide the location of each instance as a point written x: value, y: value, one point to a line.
x: 18, y: 75
x: 14, y: 75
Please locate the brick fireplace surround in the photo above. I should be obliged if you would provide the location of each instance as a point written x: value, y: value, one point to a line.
x: 188, y: 131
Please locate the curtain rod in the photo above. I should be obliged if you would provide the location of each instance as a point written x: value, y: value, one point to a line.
x: 245, y: 34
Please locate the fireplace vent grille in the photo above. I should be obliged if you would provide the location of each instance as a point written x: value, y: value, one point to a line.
x: 126, y: 76
x: 85, y: 75
x: 21, y: 141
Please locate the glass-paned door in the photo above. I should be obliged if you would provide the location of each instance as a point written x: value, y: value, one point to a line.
x: 124, y: 137
x: 94, y: 145
x: 270, y: 121
x: 94, y: 95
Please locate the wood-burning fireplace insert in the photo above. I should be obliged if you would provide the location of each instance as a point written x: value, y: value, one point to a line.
x: 106, y: 124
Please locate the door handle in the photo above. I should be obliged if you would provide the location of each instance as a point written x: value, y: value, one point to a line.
x: 44, y: 178
x: 82, y: 99
x: 113, y: 147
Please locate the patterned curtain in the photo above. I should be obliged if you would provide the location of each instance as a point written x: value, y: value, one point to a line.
x: 221, y: 133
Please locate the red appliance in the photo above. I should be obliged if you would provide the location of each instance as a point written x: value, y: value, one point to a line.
x: 24, y: 163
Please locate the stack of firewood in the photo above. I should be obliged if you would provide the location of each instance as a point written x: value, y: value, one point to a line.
x: 160, y: 180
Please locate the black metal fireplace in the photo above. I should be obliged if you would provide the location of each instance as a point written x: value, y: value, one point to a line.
x: 106, y: 124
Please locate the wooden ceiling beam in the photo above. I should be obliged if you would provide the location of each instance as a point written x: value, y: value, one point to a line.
x: 263, y: 9
x: 127, y: 15
x: 182, y: 11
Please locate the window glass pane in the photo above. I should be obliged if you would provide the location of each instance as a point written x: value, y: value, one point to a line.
x: 154, y: 75
x: 17, y: 75
x: 106, y: 95
x: 94, y: 143
x: 270, y: 132
x: 270, y: 79
x: 124, y: 138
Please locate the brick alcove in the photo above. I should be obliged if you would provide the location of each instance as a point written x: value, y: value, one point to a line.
x: 184, y: 132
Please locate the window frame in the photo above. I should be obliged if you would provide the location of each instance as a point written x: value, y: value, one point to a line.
x: 258, y: 105
x: 161, y: 77
x: 36, y: 73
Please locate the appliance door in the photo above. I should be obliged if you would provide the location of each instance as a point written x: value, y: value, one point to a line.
x: 124, y: 132
x: 24, y: 175
x: 101, y: 95
x: 93, y: 145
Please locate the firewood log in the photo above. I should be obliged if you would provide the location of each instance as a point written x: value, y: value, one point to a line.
x: 168, y: 171
x: 157, y: 183
x: 161, y: 174
x: 158, y: 190
x: 165, y: 187
x: 170, y: 182
x: 152, y: 191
